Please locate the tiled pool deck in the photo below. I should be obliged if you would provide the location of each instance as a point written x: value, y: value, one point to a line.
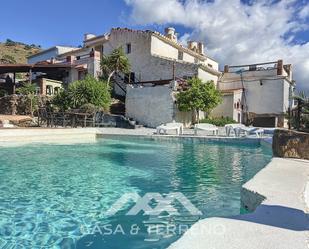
x: 278, y: 195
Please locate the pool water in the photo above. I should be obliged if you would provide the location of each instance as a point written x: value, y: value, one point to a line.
x: 57, y: 196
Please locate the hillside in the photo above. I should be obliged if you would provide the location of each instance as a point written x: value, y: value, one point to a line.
x: 16, y: 52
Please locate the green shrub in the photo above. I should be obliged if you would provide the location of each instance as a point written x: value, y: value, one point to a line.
x: 61, y: 101
x: 218, y: 121
x: 82, y: 92
x: 31, y: 100
x: 89, y: 108
x: 10, y: 42
x: 3, y: 93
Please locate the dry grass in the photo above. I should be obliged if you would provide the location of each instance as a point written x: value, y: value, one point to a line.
x: 18, y: 52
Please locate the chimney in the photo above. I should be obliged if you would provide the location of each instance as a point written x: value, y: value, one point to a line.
x: 170, y: 33
x: 192, y: 45
x: 280, y: 67
x: 200, y: 48
x: 88, y: 36
x: 94, y: 54
x: 226, y: 68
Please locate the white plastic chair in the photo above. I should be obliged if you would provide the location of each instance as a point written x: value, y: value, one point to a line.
x: 206, y: 127
x: 178, y: 127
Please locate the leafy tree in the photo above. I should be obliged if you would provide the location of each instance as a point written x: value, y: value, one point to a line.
x: 62, y: 100
x: 116, y: 62
x: 199, y: 97
x: 87, y: 91
x: 29, y: 90
x: 26, y: 89
x: 3, y: 92
x: 302, y: 118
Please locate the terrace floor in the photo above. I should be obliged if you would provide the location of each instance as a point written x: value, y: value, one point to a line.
x: 280, y: 221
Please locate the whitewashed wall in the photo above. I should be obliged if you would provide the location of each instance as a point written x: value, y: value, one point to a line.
x: 265, y: 91
x: 48, y: 54
x: 225, y: 109
x: 140, y: 50
x: 266, y: 98
x: 205, y: 76
x: 150, y: 106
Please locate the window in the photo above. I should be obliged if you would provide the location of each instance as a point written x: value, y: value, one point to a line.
x: 49, y: 90
x: 81, y: 75
x: 209, y: 65
x: 180, y: 55
x: 56, y: 90
x: 128, y: 48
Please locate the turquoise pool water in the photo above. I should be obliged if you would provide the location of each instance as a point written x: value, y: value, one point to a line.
x: 57, y: 196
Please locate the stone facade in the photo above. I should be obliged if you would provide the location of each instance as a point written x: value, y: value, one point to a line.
x: 291, y: 144
x: 18, y: 105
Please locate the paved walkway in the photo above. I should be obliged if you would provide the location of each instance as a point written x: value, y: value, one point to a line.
x: 280, y: 222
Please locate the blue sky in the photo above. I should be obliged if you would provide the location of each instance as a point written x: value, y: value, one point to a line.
x: 234, y: 31
x: 58, y: 21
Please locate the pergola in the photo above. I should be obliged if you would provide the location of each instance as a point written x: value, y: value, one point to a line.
x: 56, y: 71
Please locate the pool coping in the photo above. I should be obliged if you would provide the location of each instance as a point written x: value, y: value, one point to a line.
x: 25, y: 136
x: 278, y: 195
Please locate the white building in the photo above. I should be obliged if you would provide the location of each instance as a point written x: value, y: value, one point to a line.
x: 258, y: 93
x: 155, y: 59
x: 48, y: 54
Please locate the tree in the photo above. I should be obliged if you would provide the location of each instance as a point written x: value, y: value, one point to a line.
x: 29, y: 90
x: 87, y: 91
x: 302, y: 111
x: 199, y: 97
x: 116, y: 62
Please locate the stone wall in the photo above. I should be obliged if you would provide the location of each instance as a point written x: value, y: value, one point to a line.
x: 18, y: 104
x: 291, y: 144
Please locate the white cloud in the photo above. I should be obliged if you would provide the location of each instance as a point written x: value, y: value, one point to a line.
x: 304, y: 13
x: 235, y: 32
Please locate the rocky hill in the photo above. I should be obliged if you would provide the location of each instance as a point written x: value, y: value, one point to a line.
x: 12, y: 52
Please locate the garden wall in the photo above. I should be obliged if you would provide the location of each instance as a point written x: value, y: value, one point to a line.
x: 19, y: 104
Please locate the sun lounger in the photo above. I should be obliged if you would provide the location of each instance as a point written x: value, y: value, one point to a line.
x: 232, y: 128
x: 238, y: 129
x: 206, y: 127
x: 248, y: 130
x: 164, y: 128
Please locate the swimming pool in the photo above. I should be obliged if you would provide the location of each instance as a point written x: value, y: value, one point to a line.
x: 57, y: 196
